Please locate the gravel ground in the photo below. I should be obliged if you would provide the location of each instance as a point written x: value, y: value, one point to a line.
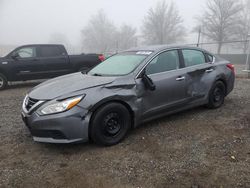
x: 196, y: 148
x: 241, y: 71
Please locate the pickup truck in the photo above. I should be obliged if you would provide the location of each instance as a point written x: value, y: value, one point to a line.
x: 32, y: 62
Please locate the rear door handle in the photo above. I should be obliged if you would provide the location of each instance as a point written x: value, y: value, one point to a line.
x: 209, y: 70
x: 181, y: 78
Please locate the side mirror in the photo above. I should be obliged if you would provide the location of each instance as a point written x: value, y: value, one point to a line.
x: 213, y: 61
x: 148, y: 82
x: 14, y: 56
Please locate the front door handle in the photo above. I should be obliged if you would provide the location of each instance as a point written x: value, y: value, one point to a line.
x: 181, y: 78
x: 209, y: 70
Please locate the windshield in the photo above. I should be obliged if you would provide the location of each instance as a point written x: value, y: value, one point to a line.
x: 5, y: 50
x: 119, y: 65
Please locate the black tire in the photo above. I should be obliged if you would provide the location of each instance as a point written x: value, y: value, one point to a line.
x: 217, y: 95
x: 110, y: 124
x: 3, y: 82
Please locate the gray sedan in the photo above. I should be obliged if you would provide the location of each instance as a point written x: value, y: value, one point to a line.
x: 126, y: 90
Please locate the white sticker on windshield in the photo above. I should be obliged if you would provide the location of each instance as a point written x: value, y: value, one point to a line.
x: 144, y: 53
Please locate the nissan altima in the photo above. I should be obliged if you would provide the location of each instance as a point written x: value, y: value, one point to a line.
x: 126, y: 90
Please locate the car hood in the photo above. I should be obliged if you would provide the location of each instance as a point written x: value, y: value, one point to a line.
x: 65, y: 85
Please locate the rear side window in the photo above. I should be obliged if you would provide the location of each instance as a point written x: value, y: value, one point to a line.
x: 166, y: 61
x: 193, y: 57
x: 51, y: 51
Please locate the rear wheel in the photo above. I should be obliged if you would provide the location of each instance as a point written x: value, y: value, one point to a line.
x: 217, y: 95
x: 3, y: 82
x: 110, y: 124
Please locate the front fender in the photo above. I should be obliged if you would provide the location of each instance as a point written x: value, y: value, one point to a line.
x: 100, y: 96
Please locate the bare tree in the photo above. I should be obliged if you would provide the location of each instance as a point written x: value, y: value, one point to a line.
x: 126, y: 37
x: 243, y: 30
x: 163, y: 24
x: 99, y: 35
x: 219, y: 20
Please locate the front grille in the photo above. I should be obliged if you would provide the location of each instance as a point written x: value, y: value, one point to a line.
x: 30, y: 103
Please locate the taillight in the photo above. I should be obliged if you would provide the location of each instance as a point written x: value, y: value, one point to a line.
x: 101, y: 58
x: 231, y: 67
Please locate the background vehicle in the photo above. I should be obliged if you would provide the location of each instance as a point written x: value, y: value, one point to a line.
x: 125, y: 91
x: 31, y: 62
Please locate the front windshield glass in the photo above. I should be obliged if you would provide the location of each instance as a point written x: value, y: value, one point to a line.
x: 119, y: 65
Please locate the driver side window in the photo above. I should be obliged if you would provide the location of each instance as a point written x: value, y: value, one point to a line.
x: 166, y: 61
x: 26, y: 52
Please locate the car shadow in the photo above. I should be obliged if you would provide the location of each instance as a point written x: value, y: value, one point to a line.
x: 171, y: 118
x: 72, y: 148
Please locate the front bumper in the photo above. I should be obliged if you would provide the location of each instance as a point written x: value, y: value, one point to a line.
x: 67, y: 127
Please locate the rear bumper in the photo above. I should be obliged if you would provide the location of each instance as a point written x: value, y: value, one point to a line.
x: 68, y: 127
x: 230, y: 84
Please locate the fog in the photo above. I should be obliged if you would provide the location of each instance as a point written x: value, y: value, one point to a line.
x: 37, y: 21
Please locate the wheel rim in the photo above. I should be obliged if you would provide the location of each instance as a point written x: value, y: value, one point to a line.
x: 218, y: 95
x: 1, y: 82
x: 112, y: 124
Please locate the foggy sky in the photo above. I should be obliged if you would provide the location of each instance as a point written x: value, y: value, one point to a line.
x: 34, y: 21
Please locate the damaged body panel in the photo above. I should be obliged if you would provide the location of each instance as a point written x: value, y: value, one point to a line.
x: 124, y: 91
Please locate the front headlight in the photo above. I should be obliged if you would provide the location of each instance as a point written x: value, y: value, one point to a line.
x: 60, y: 106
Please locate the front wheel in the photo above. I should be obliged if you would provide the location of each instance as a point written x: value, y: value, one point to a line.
x: 217, y: 95
x: 3, y: 82
x: 110, y: 124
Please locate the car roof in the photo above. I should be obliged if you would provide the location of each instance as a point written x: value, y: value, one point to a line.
x: 161, y: 47
x: 29, y: 45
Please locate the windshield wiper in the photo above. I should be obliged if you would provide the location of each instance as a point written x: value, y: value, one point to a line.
x: 96, y: 74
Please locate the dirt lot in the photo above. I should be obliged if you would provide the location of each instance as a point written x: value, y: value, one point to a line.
x: 196, y: 148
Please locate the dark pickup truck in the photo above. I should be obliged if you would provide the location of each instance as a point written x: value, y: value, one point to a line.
x: 32, y: 62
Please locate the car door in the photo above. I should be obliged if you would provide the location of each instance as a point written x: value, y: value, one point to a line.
x: 55, y: 59
x: 168, y: 77
x: 27, y: 65
x: 200, y: 73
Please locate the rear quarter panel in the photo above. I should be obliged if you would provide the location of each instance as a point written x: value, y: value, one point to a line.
x: 199, y: 82
x: 221, y: 73
x: 225, y: 74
